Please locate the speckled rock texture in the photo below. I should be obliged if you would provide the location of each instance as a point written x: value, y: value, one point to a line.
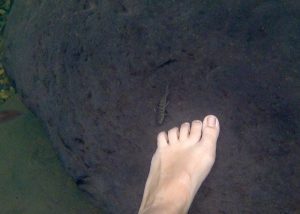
x: 94, y: 71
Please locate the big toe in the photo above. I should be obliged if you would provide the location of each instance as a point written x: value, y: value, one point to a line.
x: 210, y: 133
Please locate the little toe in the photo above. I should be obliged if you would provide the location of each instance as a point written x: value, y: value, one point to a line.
x: 162, y: 140
x: 210, y: 133
x: 184, y: 131
x: 196, y: 130
x: 173, y: 135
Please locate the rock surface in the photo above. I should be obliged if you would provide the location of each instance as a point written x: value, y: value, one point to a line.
x: 94, y: 71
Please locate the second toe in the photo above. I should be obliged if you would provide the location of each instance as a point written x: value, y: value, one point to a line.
x: 196, y: 130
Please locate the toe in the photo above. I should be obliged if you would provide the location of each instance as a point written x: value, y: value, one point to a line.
x: 184, y: 131
x: 162, y: 140
x: 210, y: 133
x: 173, y: 135
x: 196, y: 130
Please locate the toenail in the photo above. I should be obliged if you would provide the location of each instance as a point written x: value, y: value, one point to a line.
x: 211, y: 121
x: 197, y: 121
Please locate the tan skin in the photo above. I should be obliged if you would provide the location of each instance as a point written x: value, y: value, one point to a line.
x: 182, y: 161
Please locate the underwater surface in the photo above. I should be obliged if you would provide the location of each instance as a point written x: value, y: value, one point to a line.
x: 32, y: 179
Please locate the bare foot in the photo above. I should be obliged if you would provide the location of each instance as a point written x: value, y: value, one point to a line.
x: 180, y: 164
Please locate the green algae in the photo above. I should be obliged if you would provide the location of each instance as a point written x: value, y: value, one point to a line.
x: 31, y: 176
x: 6, y: 87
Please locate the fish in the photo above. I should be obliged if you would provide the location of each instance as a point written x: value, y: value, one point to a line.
x: 8, y: 115
x: 163, y: 103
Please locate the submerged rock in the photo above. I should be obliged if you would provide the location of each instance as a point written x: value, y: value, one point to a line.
x: 8, y: 115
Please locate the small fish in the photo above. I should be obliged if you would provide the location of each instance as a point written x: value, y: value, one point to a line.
x: 8, y: 115
x: 162, y: 106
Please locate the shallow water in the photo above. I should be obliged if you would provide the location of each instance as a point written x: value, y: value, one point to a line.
x: 31, y: 177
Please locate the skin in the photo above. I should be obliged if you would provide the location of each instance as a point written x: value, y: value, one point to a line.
x: 182, y: 160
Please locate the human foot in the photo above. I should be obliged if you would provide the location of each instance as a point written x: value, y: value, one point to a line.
x: 182, y: 161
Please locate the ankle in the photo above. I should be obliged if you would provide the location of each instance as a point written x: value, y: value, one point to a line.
x: 173, y: 198
x: 163, y: 209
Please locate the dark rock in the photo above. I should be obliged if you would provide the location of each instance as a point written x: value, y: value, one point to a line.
x: 93, y: 71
